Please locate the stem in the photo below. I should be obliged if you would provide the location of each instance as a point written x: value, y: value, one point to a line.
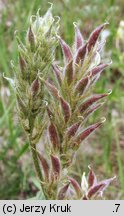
x: 35, y: 160
x: 37, y: 166
x: 35, y: 155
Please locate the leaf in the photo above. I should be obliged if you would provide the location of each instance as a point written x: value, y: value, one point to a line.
x: 7, y: 110
x: 36, y: 182
x: 39, y: 196
x: 22, y: 150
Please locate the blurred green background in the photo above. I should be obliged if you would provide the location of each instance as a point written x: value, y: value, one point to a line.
x: 105, y: 149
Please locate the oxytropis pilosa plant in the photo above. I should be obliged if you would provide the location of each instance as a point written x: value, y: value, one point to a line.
x: 68, y: 90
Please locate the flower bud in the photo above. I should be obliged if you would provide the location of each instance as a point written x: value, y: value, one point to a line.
x: 92, y: 180
x: 71, y: 131
x: 94, y: 36
x: 66, y: 109
x: 83, y: 135
x: 57, y: 73
x: 82, y: 84
x: 56, y: 167
x: 63, y: 191
x: 54, y: 137
x: 68, y: 72
x: 66, y: 51
x: 85, y: 105
x: 35, y: 86
x: 99, y: 69
x: 91, y: 110
x: 31, y: 38
x: 95, y: 189
x: 79, y: 40
x: 52, y: 89
x: 80, y: 55
x: 45, y: 166
x: 76, y: 186
x: 22, y: 64
x: 106, y: 183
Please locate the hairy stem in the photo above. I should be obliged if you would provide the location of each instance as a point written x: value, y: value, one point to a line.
x: 37, y: 166
x: 34, y: 154
x: 35, y: 160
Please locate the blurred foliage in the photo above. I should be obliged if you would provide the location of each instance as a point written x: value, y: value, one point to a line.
x: 105, y: 149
